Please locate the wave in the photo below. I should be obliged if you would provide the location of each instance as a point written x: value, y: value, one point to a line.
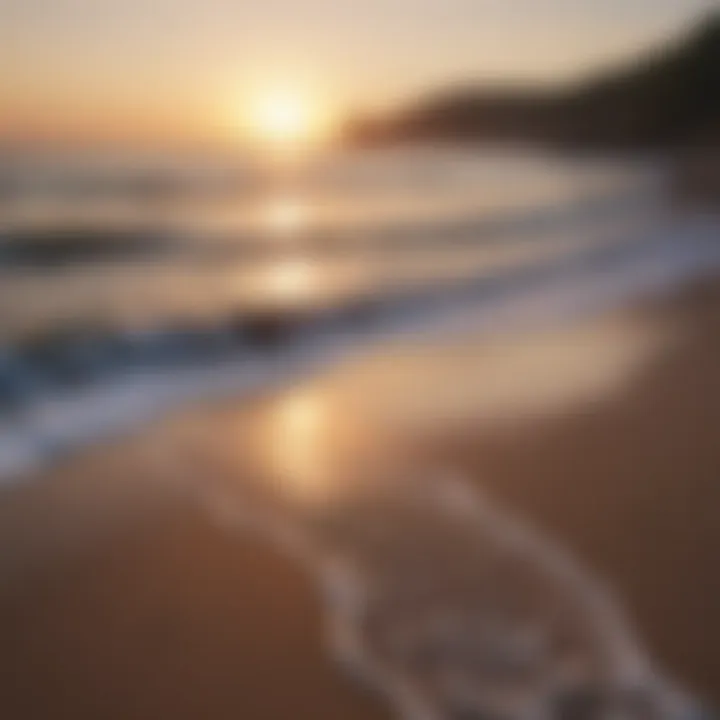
x: 59, y: 247
x: 28, y: 246
x: 73, y: 385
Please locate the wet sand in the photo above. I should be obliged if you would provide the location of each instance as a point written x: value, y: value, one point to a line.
x: 631, y: 484
x: 121, y: 599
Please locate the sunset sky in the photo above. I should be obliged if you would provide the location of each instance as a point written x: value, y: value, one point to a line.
x: 153, y: 68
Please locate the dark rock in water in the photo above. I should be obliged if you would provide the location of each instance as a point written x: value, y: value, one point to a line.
x: 268, y: 331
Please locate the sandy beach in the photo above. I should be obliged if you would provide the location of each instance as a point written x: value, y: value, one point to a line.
x: 122, y: 597
x: 360, y: 360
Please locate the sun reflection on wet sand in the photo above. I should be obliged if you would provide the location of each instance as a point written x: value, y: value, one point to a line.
x: 311, y: 448
x: 298, y: 444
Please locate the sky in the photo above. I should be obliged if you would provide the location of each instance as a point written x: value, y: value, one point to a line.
x: 165, y: 68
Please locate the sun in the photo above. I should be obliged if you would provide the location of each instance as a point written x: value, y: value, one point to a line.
x: 284, y: 117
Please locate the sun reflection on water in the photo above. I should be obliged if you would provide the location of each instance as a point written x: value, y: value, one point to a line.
x: 290, y: 281
x: 285, y: 217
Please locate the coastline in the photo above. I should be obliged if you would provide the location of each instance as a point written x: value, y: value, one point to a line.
x: 122, y: 599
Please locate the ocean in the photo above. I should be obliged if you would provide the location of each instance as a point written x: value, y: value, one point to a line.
x: 129, y: 286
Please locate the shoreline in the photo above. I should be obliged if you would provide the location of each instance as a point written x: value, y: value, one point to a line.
x: 258, y: 355
x: 122, y: 599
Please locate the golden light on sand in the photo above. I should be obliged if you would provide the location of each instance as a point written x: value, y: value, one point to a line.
x: 287, y: 118
x: 314, y: 450
x: 299, y: 446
